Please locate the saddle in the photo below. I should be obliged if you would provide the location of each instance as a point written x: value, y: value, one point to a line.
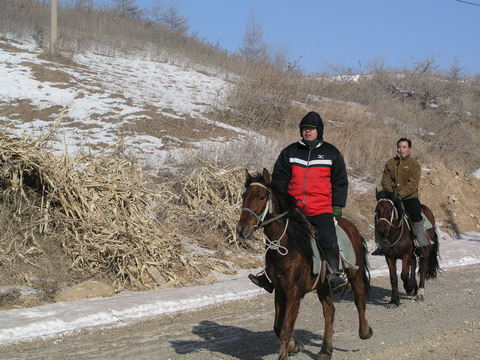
x: 427, y: 225
x: 347, y: 253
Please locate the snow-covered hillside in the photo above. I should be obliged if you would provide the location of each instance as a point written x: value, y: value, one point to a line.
x: 158, y: 109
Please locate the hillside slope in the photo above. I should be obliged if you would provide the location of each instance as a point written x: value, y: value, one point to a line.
x: 157, y: 109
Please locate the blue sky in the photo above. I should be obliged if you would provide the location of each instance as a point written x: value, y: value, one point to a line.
x: 345, y: 34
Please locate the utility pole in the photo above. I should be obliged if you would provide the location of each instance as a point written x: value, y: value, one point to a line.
x: 53, y: 27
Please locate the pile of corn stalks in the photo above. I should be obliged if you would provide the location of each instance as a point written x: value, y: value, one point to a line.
x: 209, y: 198
x: 111, y: 219
x: 101, y: 204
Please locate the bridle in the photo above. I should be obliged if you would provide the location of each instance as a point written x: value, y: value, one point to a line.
x: 261, y: 222
x: 394, y: 216
x: 268, y: 209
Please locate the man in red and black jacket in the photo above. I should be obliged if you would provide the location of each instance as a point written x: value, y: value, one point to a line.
x: 314, y: 172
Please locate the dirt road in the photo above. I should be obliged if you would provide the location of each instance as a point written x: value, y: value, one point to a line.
x: 445, y: 326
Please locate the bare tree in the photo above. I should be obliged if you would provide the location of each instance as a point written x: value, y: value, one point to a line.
x: 456, y: 71
x: 172, y: 19
x: 128, y: 8
x: 254, y: 47
x: 426, y: 66
x: 156, y: 10
x: 83, y: 4
x: 279, y: 57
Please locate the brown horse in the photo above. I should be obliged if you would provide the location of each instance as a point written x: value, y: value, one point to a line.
x: 289, y: 262
x: 397, y: 242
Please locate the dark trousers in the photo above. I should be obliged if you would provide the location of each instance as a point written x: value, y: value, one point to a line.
x: 325, y: 227
x: 413, y: 208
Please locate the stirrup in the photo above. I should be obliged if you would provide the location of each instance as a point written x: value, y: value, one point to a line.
x: 262, y: 281
x: 337, y: 281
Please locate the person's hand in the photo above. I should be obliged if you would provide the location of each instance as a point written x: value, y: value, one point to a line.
x: 337, y: 212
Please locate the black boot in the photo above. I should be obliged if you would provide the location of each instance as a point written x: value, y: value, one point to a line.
x: 332, y: 253
x: 261, y: 280
x: 419, y: 251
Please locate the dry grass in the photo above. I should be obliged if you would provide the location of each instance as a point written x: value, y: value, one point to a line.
x: 99, y: 205
x: 209, y: 200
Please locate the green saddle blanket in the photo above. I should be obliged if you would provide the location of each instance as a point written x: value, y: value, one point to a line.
x: 347, y: 254
x: 427, y: 225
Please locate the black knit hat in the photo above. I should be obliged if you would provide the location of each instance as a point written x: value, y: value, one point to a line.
x: 312, y: 120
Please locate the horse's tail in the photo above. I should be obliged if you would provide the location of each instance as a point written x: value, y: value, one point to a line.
x: 366, y: 267
x: 433, y: 261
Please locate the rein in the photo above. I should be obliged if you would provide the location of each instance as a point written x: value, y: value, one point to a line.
x: 390, y: 223
x: 271, y: 244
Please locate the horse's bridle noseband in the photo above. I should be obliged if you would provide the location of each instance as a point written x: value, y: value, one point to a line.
x: 390, y: 221
x: 392, y: 218
x: 261, y: 217
x: 270, y: 244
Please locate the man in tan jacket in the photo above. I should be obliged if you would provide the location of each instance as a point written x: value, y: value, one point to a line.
x: 401, y: 176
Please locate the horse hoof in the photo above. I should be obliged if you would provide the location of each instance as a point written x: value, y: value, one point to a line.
x: 420, y: 298
x: 295, y: 347
x: 369, y: 335
x: 323, y: 357
x: 392, y: 305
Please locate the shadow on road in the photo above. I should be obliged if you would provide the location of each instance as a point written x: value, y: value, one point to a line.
x: 238, y: 342
x: 378, y: 296
x: 243, y: 344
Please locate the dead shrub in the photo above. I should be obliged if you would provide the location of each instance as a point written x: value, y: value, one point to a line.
x: 9, y: 298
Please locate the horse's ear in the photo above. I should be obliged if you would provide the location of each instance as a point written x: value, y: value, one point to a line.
x: 248, y: 177
x: 266, y: 176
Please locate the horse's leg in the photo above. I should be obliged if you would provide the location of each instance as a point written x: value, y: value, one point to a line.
x: 286, y: 311
x: 356, y: 280
x: 392, y: 268
x: 422, y: 272
x: 279, y: 311
x: 323, y: 293
x: 413, y: 274
x: 409, y: 264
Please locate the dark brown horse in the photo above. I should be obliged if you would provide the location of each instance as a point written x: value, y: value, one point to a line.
x: 289, y: 262
x: 397, y: 242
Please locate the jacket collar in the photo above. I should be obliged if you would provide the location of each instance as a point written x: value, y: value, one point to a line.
x: 404, y: 158
x: 304, y: 144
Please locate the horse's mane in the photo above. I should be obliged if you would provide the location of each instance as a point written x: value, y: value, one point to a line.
x: 298, y: 230
x: 385, y: 194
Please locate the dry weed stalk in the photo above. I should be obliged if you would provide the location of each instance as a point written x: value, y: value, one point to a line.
x: 208, y: 199
x: 100, y: 203
x: 112, y: 223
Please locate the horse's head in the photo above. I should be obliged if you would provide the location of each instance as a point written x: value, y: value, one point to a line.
x: 256, y: 202
x: 385, y: 211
